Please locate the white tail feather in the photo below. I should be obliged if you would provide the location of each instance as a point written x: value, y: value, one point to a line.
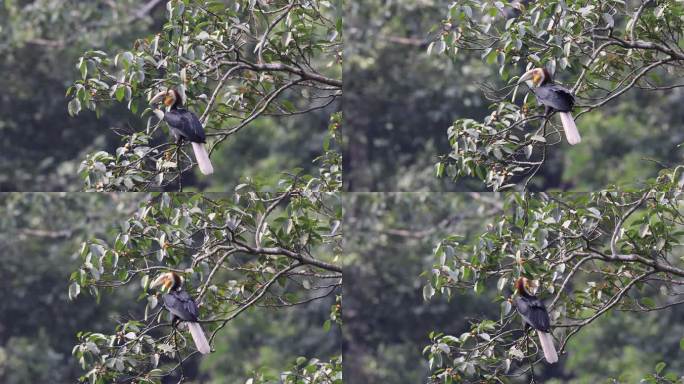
x: 202, y: 158
x: 570, y: 129
x: 198, y: 336
x: 546, y: 341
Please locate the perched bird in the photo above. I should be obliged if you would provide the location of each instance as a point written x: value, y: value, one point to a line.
x: 184, y: 125
x: 534, y: 314
x: 182, y: 307
x: 516, y: 9
x: 554, y: 97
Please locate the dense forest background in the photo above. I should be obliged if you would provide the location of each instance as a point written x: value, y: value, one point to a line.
x: 41, y: 234
x: 41, y: 147
x: 390, y: 242
x: 400, y: 101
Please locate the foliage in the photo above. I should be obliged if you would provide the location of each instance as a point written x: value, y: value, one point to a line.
x: 250, y: 250
x: 307, y: 371
x: 398, y: 99
x: 59, y: 24
x: 233, y: 63
x: 590, y: 254
x: 388, y: 237
x: 39, y: 40
x: 330, y: 170
x: 602, y: 50
x: 39, y: 234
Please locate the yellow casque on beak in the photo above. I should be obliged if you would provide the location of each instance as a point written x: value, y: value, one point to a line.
x: 168, y: 281
x: 167, y: 97
x: 533, y: 77
x: 158, y: 97
x: 165, y: 280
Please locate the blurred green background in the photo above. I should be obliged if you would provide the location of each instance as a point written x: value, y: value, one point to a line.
x: 399, y: 102
x: 40, y: 238
x: 389, y: 242
x: 41, y: 147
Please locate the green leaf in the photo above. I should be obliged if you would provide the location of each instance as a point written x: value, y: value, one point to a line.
x: 608, y: 18
x: 75, y: 289
x: 83, y: 67
x: 428, y: 292
x: 648, y: 302
x: 516, y: 353
x: 74, y: 107
x: 120, y: 92
x: 152, y: 301
x: 659, y: 367
x: 501, y: 283
x: 479, y: 287
x: 505, y: 307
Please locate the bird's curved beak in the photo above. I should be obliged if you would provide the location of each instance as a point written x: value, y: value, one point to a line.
x: 158, y: 281
x: 527, y: 77
x: 158, y: 97
x: 163, y: 280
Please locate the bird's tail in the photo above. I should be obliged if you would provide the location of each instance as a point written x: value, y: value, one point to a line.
x: 198, y: 336
x: 202, y: 157
x: 546, y: 341
x: 571, y: 132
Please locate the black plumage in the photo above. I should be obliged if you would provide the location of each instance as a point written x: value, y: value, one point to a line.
x: 181, y: 305
x: 182, y: 308
x: 555, y: 97
x: 534, y: 314
x: 533, y: 311
x: 185, y: 124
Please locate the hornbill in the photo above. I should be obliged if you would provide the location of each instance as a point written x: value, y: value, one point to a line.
x: 534, y: 314
x: 554, y: 97
x: 184, y: 125
x: 516, y: 9
x: 182, y: 307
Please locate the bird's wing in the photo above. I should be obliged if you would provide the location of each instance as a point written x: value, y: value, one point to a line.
x: 539, y: 317
x: 523, y: 308
x: 187, y: 124
x: 182, y: 305
x: 556, y: 97
x: 533, y: 312
x: 189, y: 304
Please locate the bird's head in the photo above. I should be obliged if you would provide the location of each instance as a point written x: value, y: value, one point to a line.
x: 169, y: 98
x: 525, y: 286
x: 535, y: 77
x: 169, y: 281
x: 519, y: 5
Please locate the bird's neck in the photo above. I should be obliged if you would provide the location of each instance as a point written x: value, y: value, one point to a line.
x: 520, y: 287
x: 547, y: 77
